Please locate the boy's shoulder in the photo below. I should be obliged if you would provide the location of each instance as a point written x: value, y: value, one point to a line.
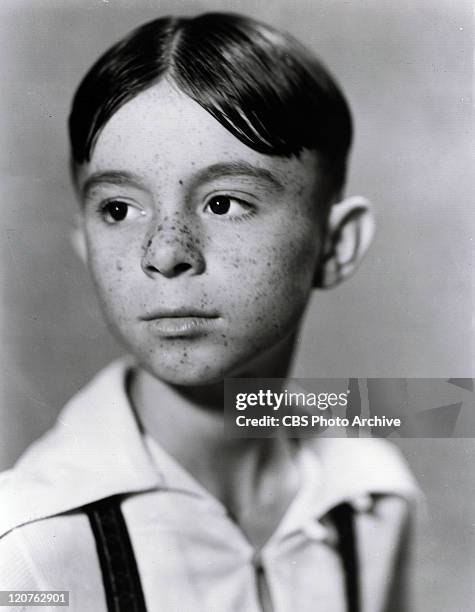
x: 82, y: 458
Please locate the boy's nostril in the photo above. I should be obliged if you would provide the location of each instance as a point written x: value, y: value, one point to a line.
x: 175, y: 270
x: 182, y: 267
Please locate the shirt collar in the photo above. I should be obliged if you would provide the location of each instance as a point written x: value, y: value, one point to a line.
x: 338, y: 470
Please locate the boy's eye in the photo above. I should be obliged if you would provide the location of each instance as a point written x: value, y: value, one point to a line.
x: 227, y: 205
x: 116, y: 211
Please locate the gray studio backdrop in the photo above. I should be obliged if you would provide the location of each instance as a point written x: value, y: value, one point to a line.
x: 406, y: 69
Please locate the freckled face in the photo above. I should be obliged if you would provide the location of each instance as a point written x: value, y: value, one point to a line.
x: 202, y: 250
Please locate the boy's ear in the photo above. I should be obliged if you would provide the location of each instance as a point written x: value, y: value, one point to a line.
x: 349, y: 233
x: 78, y: 240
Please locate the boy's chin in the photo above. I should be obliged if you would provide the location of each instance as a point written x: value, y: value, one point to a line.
x: 192, y: 373
x: 189, y: 377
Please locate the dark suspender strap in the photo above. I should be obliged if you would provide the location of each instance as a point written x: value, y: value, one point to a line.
x: 119, y: 569
x: 343, y: 518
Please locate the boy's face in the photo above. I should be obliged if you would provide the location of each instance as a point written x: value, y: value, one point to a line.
x: 202, y: 250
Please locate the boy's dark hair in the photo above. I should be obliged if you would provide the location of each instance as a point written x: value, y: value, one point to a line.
x: 264, y: 87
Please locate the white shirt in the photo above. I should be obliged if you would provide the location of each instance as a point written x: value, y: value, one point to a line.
x: 190, y: 554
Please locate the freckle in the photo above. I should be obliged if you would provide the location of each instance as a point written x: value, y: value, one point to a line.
x: 180, y: 182
x: 118, y: 265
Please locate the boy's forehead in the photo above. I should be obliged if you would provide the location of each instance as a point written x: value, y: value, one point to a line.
x: 162, y: 132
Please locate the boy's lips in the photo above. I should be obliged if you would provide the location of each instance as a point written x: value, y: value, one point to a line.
x: 181, y: 322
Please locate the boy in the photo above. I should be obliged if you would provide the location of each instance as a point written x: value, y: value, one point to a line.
x: 209, y: 157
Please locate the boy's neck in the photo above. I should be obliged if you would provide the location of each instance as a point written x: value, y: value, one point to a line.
x: 188, y: 423
x: 190, y: 418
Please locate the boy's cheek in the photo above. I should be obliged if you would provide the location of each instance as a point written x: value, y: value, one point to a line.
x: 285, y: 264
x: 111, y: 275
x: 266, y: 294
x: 111, y: 254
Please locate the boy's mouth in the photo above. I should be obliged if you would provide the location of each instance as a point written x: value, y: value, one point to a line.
x: 181, y: 322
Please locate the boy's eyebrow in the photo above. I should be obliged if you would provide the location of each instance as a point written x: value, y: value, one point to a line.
x: 236, y: 168
x: 113, y: 177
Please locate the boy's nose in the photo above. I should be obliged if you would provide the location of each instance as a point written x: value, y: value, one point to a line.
x: 172, y: 252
